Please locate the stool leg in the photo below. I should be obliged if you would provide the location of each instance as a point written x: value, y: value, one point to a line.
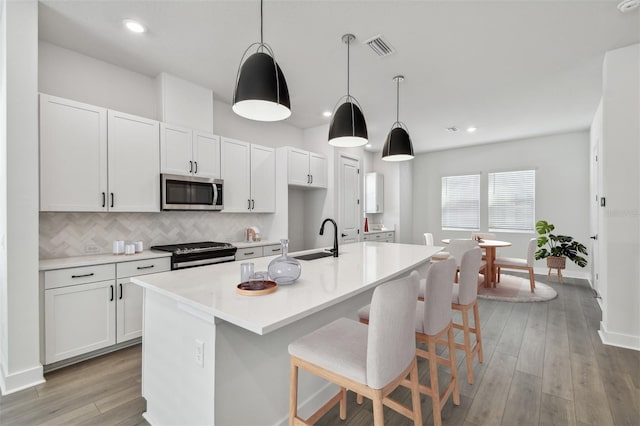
x: 467, y: 344
x: 378, y: 412
x: 452, y: 365
x: 293, y: 394
x: 343, y: 404
x: 435, y: 388
x: 476, y: 324
x: 560, y: 275
x: 415, y: 394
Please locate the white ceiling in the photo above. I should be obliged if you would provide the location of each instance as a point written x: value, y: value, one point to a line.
x: 512, y: 68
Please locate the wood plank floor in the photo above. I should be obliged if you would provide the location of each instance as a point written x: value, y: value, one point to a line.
x: 544, y: 364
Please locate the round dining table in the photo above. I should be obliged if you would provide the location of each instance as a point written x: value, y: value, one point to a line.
x: 490, y: 247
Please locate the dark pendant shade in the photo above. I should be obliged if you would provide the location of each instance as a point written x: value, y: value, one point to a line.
x: 398, y: 146
x: 348, y: 127
x: 261, y: 90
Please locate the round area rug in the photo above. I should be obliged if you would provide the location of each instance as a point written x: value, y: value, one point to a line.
x: 516, y: 289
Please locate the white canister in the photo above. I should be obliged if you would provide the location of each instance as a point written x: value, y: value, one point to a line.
x: 130, y: 249
x: 118, y: 247
x: 139, y: 246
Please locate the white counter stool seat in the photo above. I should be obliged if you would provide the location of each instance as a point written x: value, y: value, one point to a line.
x: 518, y: 263
x: 464, y: 298
x: 428, y: 241
x: 371, y: 361
x: 432, y: 322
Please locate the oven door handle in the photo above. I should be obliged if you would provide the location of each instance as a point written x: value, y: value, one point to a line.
x: 215, y: 194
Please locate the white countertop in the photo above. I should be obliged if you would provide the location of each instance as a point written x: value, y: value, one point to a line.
x: 98, y: 259
x: 324, y: 282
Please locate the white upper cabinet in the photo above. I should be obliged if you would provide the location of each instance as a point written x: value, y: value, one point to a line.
x: 134, y: 163
x: 189, y: 152
x: 176, y: 149
x: 73, y: 156
x: 263, y: 179
x: 318, y: 170
x: 306, y: 169
x: 248, y: 172
x: 92, y: 159
x: 206, y: 154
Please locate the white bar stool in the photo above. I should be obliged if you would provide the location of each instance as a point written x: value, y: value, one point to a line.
x: 432, y: 322
x: 372, y: 361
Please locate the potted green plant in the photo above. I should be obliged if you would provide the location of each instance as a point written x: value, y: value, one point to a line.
x: 557, y: 248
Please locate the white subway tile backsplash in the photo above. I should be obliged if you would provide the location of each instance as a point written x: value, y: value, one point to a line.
x: 77, y: 234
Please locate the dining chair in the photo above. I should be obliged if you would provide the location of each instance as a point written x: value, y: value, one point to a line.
x: 428, y: 240
x: 465, y: 298
x: 433, y: 320
x: 457, y: 249
x: 519, y: 263
x: 371, y: 361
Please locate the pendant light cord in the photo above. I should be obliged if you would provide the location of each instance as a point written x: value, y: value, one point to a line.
x: 348, y: 65
x: 398, y: 101
x: 261, y: 24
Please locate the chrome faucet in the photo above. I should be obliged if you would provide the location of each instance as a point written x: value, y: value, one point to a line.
x: 335, y: 235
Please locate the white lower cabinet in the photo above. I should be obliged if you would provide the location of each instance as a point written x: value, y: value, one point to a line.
x: 93, y: 307
x: 79, y: 319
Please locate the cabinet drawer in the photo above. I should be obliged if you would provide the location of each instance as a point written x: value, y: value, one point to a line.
x: 271, y: 250
x: 142, y: 267
x: 80, y: 275
x: 248, y: 253
x: 390, y: 236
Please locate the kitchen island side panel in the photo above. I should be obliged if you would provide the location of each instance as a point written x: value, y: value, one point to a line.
x: 252, y: 371
x: 179, y: 389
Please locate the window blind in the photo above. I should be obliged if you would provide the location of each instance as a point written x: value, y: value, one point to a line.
x: 461, y: 202
x: 512, y: 201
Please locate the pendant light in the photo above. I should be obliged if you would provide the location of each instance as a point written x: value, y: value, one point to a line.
x: 261, y: 91
x: 398, y: 146
x: 348, y: 127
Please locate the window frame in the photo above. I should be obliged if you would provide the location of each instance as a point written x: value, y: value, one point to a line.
x: 490, y: 196
x: 478, y: 200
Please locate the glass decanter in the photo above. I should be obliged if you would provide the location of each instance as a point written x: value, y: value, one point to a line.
x: 284, y: 269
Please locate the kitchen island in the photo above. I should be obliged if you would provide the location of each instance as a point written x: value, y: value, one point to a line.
x: 211, y: 356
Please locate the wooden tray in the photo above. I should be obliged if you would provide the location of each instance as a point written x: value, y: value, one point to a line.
x: 256, y: 287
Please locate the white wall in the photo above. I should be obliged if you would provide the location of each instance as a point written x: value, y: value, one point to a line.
x: 562, y: 186
x: 21, y: 364
x: 620, y: 151
x: 72, y: 75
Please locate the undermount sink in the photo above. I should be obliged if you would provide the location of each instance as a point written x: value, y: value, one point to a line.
x: 313, y: 256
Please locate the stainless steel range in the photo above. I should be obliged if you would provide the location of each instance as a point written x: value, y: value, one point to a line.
x: 188, y: 255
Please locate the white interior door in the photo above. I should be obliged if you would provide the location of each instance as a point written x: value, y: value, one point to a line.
x: 349, y: 199
x: 595, y: 214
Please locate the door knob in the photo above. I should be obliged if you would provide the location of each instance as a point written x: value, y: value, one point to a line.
x: 344, y: 235
x: 594, y: 237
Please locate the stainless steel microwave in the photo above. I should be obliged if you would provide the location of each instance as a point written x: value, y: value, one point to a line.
x: 191, y: 193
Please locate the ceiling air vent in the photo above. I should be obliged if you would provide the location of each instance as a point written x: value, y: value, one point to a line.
x: 380, y: 46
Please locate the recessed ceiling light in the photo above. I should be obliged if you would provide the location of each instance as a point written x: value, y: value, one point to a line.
x: 471, y: 129
x: 134, y: 26
x: 452, y: 129
x: 368, y: 145
x: 327, y: 113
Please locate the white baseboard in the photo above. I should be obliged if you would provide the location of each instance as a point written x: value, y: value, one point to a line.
x: 10, y: 383
x: 310, y: 405
x: 627, y: 341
